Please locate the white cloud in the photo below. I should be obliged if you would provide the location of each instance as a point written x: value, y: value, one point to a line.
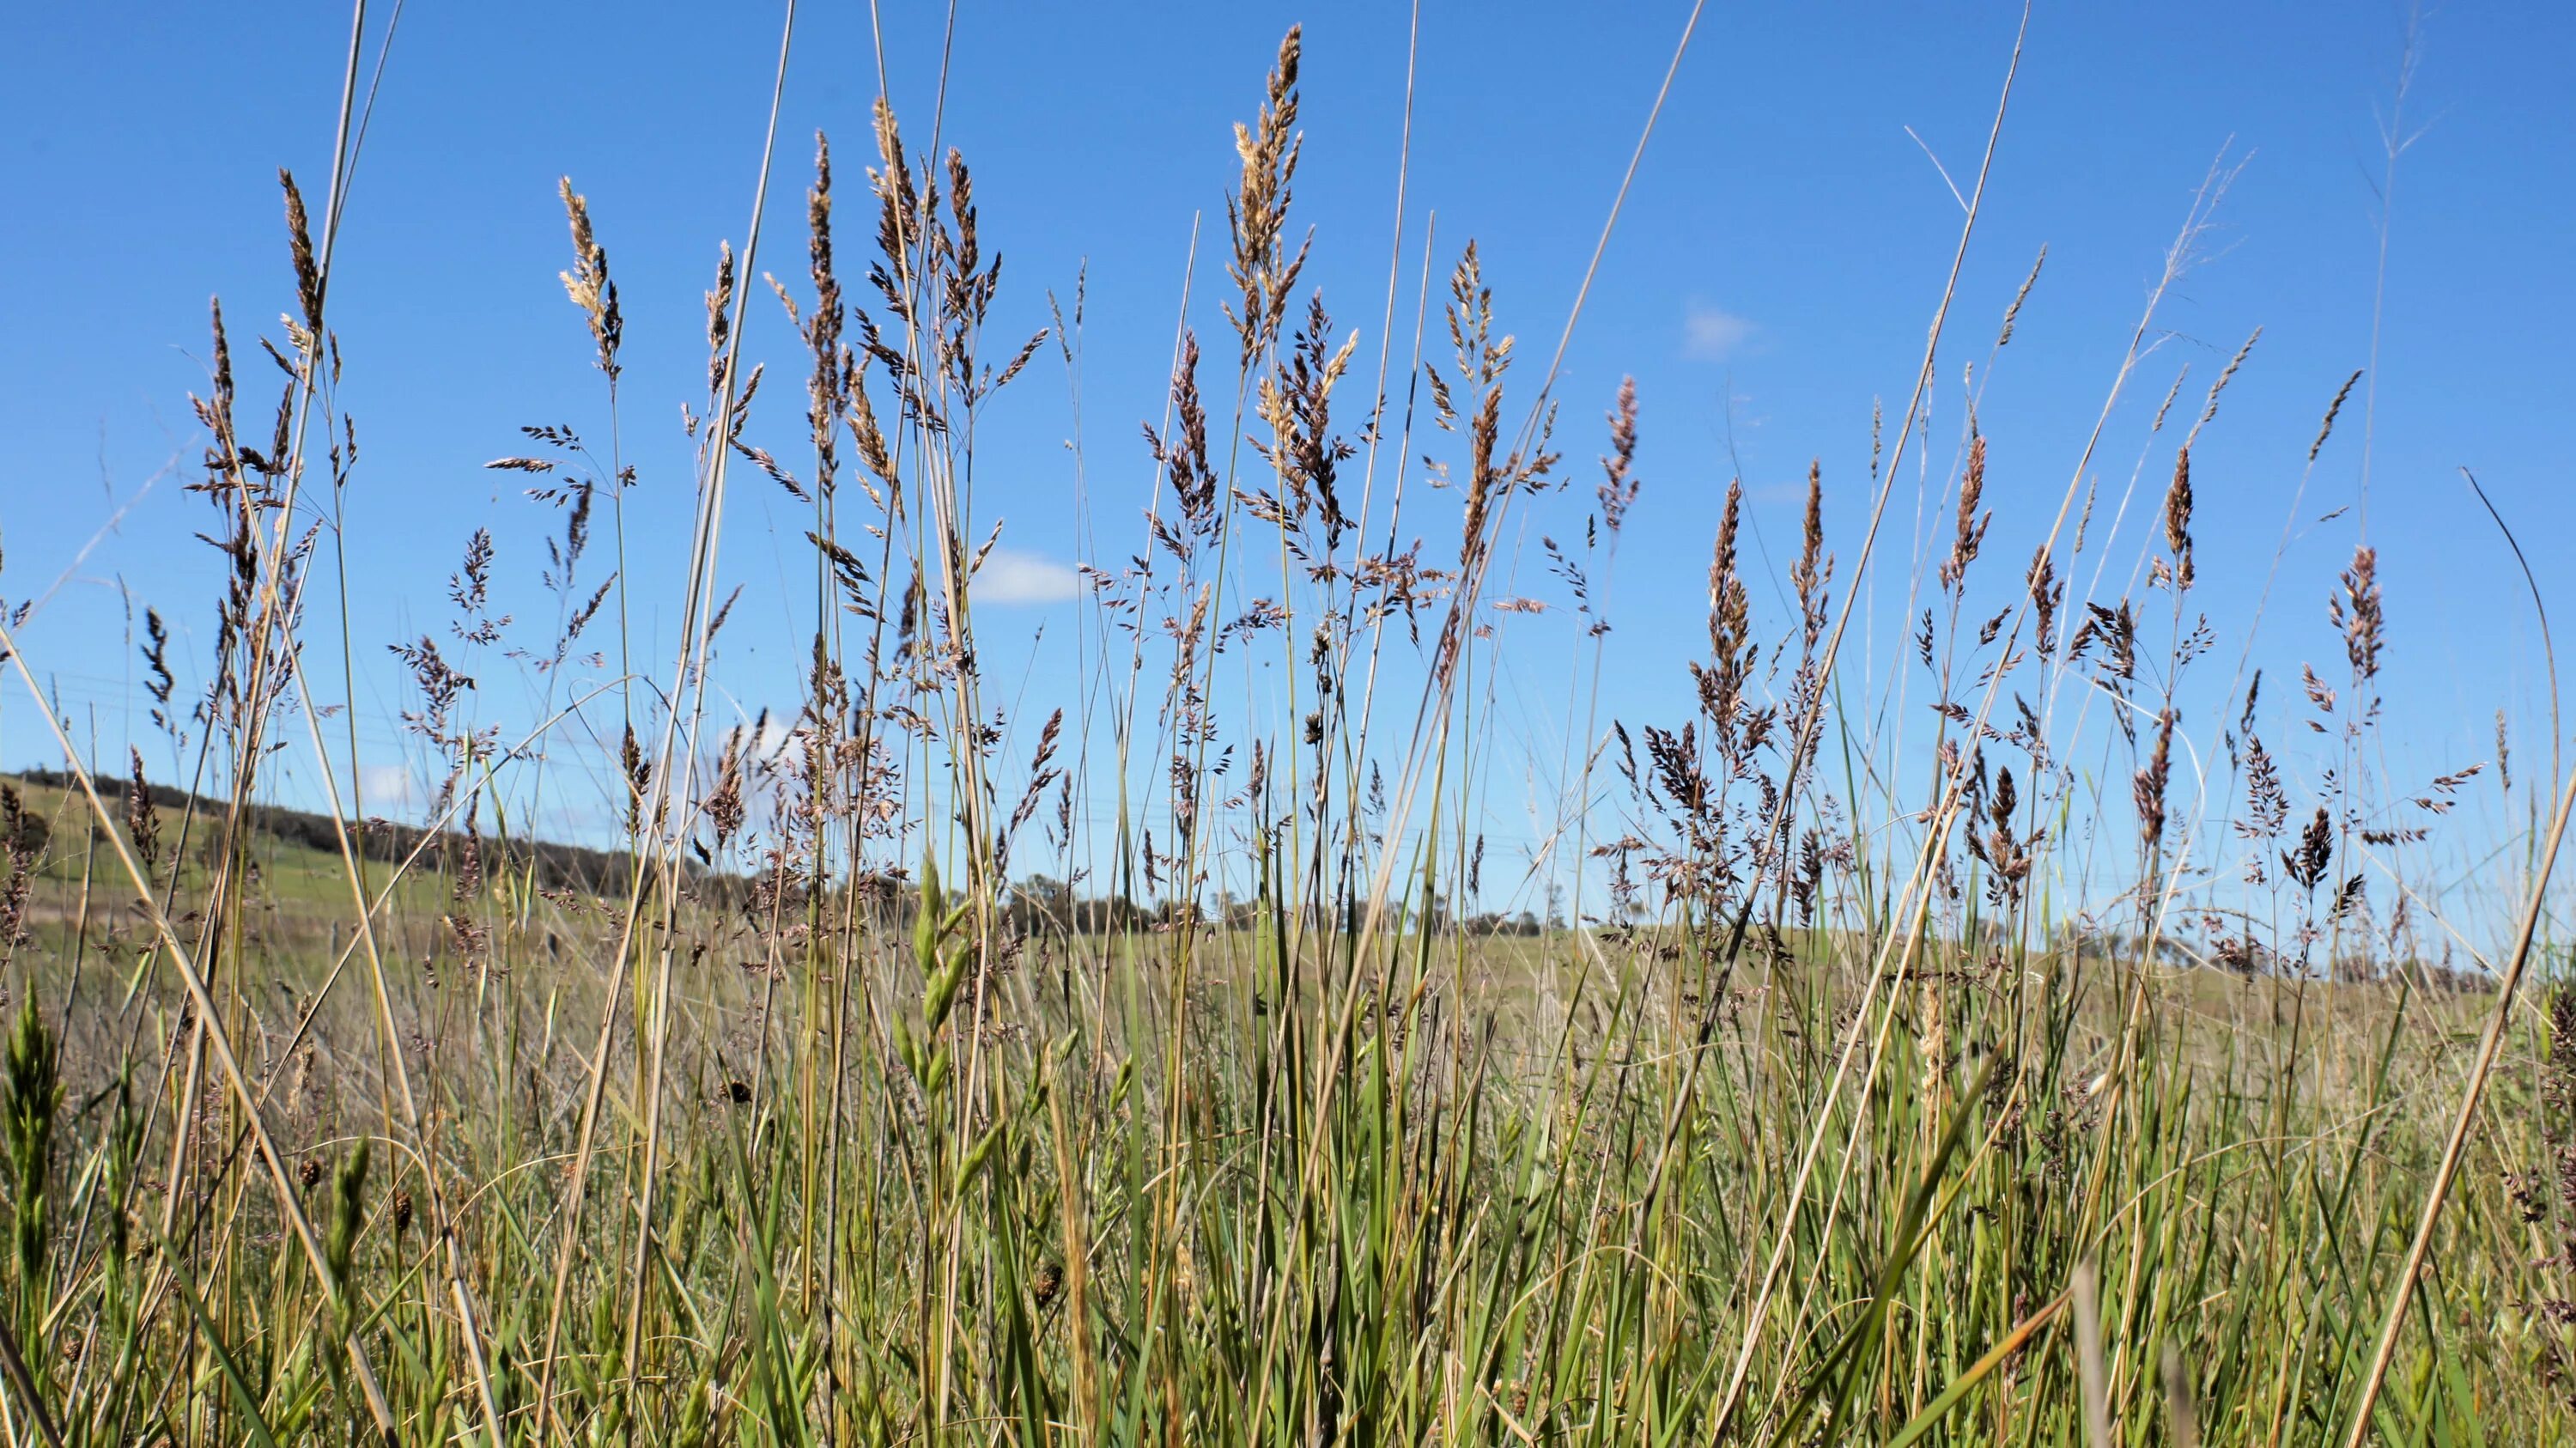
x: 381, y: 786
x: 1713, y: 334
x: 772, y: 737
x: 774, y: 733
x: 1010, y: 576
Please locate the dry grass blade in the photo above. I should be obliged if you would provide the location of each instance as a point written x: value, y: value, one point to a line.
x: 2456, y: 1147
x: 219, y: 1041
x: 23, y: 1382
x: 1810, y: 721
x: 2092, y: 1364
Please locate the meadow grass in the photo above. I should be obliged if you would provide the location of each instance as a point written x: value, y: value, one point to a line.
x: 1149, y: 1071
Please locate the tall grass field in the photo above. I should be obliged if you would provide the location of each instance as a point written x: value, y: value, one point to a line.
x: 2008, y: 1047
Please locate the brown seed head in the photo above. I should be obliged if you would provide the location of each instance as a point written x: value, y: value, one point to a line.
x: 1972, y: 528
x: 2178, y: 520
x: 2356, y: 613
x: 308, y: 274
x: 1618, y: 485
x: 588, y: 284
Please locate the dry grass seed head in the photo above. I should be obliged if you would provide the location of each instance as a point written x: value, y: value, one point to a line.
x: 2357, y: 615
x: 1258, y: 211
x: 588, y: 283
x: 1815, y: 567
x: 2325, y: 429
x: 2177, y: 520
x: 308, y: 273
x: 1972, y: 526
x: 2149, y: 786
x: 1618, y: 487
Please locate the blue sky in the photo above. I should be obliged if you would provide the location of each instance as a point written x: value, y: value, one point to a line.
x: 1771, y: 277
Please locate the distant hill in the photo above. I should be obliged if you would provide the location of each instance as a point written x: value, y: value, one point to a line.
x: 556, y: 866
